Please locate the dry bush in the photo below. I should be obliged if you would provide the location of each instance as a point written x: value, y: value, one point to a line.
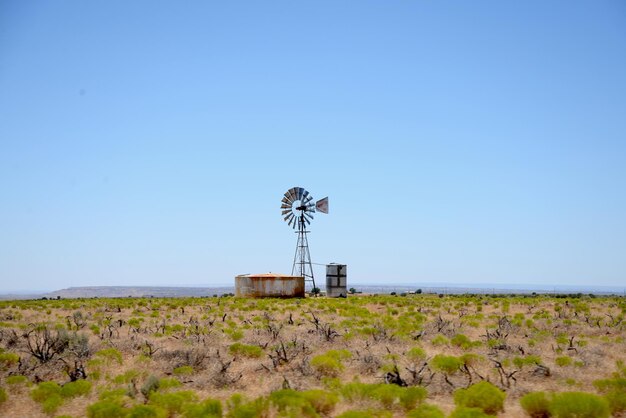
x: 196, y: 357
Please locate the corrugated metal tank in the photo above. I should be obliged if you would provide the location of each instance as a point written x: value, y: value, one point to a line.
x: 336, y: 280
x: 269, y: 285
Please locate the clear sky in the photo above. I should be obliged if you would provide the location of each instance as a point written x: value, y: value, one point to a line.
x: 150, y: 143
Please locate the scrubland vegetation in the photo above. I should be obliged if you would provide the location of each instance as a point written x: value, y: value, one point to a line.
x: 365, y: 356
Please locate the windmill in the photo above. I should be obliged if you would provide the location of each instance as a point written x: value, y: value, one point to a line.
x: 297, y: 210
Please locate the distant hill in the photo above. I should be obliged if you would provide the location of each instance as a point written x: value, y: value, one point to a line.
x: 20, y: 296
x: 137, y: 291
x: 179, y: 291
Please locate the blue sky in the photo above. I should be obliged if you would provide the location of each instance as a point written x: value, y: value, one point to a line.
x: 150, y: 143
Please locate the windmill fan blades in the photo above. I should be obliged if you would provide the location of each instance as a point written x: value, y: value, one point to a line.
x: 301, y: 214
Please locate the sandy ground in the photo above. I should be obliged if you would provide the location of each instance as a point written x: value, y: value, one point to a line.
x: 596, y: 346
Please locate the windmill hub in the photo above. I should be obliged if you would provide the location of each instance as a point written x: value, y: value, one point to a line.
x: 297, y: 210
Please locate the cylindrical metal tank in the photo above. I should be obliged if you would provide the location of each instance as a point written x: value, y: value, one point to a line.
x: 336, y: 280
x: 269, y: 285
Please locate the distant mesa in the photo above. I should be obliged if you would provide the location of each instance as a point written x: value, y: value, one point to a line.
x: 137, y: 291
x: 173, y: 291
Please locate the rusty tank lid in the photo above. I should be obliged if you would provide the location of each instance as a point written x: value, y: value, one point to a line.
x: 270, y: 275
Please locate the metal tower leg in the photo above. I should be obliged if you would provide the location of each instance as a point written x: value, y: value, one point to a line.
x: 302, y: 258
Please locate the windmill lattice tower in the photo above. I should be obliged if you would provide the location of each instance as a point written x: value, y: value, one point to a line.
x: 297, y: 210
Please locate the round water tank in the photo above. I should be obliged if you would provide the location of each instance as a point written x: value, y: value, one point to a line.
x: 269, y: 285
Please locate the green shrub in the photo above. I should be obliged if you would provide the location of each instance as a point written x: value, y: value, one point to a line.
x: 446, y: 364
x: 51, y: 404
x: 48, y: 394
x: 323, y: 401
x: 465, y: 412
x: 617, y: 401
x: 416, y: 354
x: 239, y: 407
x: 45, y: 390
x: 356, y: 414
x: 168, y: 382
x: 412, y: 396
x: 520, y: 362
x: 536, y: 405
x: 481, y: 395
x: 292, y: 403
x: 339, y: 354
x: 127, y: 377
x: 387, y: 395
x: 244, y: 350
x: 471, y: 359
x: 439, y: 340
x: 114, y: 395
x: 173, y: 402
x: 8, y: 359
x: 579, y: 405
x: 146, y: 411
x: 331, y: 383
x: 606, y: 385
x: 106, y: 409
x: 17, y: 380
x: 235, y: 334
x: 110, y: 354
x: 614, y: 391
x: 494, y: 342
x: 183, y: 371
x: 426, y: 411
x: 209, y: 408
x: 462, y: 341
x: 330, y: 364
x: 77, y: 388
x: 3, y: 396
x: 370, y: 413
x: 356, y: 391
x: 563, y: 361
